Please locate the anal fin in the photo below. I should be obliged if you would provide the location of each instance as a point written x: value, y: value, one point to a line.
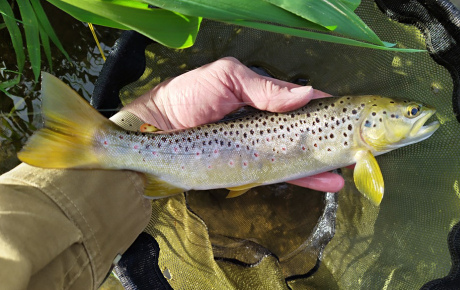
x: 157, y: 188
x: 368, y: 177
x: 242, y: 189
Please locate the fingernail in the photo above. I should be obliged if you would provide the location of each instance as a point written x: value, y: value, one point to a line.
x: 301, y: 90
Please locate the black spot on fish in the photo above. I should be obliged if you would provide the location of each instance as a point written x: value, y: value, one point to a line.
x: 232, y: 125
x: 252, y: 132
x: 245, y: 135
x: 332, y: 105
x: 320, y: 138
x: 391, y: 102
x: 268, y: 130
x: 350, y: 127
x: 345, y: 143
x: 261, y: 132
x: 320, y: 130
x: 345, y: 134
x: 344, y: 110
x: 281, y: 127
x: 308, y: 115
x: 374, y: 113
x: 221, y: 143
x: 354, y: 111
x: 331, y: 136
x: 214, y: 131
x: 384, y: 112
x: 163, y: 139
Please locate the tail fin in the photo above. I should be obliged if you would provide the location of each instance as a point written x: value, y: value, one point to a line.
x: 70, y: 125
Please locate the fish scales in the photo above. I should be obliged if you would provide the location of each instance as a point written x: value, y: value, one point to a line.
x: 261, y: 147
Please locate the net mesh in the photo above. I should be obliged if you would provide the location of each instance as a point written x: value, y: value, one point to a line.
x: 270, y: 238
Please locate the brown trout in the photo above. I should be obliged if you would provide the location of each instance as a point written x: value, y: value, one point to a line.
x: 257, y: 149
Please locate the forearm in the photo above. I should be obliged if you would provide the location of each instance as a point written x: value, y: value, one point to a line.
x: 61, y: 229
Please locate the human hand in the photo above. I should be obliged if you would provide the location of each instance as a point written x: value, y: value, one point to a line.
x: 208, y: 93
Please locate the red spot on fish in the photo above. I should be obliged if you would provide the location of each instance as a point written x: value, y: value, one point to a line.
x: 256, y: 155
x: 268, y: 139
x: 303, y: 148
x: 183, y: 167
x: 136, y: 146
x: 175, y: 149
x: 121, y: 137
x: 105, y: 143
x: 231, y: 163
x: 245, y: 164
x: 284, y: 149
x: 154, y: 153
x: 273, y: 159
x: 209, y: 166
x: 198, y: 153
x: 215, y: 151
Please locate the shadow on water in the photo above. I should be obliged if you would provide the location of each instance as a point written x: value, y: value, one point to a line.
x: 20, y: 110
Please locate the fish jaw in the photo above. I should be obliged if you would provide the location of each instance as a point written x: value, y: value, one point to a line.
x: 420, y: 131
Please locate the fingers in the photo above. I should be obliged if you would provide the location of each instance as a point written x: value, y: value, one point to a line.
x: 264, y: 93
x: 327, y: 182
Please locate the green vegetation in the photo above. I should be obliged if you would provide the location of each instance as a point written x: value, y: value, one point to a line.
x: 175, y: 23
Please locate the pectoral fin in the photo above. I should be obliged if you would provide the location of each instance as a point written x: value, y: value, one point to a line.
x: 242, y: 189
x: 368, y: 177
x: 157, y: 188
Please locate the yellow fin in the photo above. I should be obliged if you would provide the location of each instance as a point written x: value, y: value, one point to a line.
x: 242, y: 189
x: 70, y: 125
x: 368, y: 177
x: 157, y: 188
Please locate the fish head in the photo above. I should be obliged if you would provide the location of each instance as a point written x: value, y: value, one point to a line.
x: 388, y: 124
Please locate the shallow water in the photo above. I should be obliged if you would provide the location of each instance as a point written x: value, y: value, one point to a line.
x: 20, y: 112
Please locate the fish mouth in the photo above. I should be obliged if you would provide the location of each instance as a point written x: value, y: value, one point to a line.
x: 420, y: 131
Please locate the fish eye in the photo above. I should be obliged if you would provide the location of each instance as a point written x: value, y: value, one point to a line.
x: 413, y: 111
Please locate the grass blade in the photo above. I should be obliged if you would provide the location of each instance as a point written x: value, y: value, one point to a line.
x: 231, y: 10
x: 85, y: 15
x: 46, y: 27
x: 32, y: 35
x: 2, y: 25
x: 46, y: 46
x: 15, y: 33
x: 168, y: 28
x: 352, y: 4
x: 333, y: 13
x: 318, y: 36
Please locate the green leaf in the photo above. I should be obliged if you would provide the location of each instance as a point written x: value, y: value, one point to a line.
x: 46, y: 47
x: 8, y: 84
x: 331, y: 13
x: 319, y: 36
x: 47, y: 28
x: 2, y: 25
x: 166, y: 27
x: 32, y: 35
x: 85, y: 15
x: 352, y: 4
x: 15, y: 33
x: 233, y: 10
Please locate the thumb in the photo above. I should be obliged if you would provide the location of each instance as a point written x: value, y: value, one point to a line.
x: 267, y: 93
